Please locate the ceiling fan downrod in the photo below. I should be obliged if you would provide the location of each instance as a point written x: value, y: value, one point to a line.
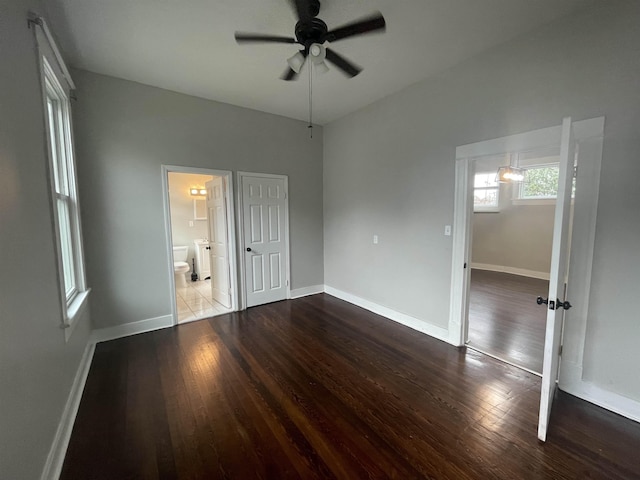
x: 310, y: 126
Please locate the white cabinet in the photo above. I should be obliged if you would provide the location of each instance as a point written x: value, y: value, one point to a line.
x: 202, y: 258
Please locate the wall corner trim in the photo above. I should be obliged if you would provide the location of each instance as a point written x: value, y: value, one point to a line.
x: 58, y: 451
x: 133, y: 328
x: 306, y: 291
x: 404, y: 319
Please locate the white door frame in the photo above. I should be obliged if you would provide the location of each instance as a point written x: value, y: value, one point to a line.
x: 231, y: 229
x: 589, y: 139
x: 241, y: 233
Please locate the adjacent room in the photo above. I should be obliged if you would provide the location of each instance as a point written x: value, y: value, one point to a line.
x: 319, y: 239
x: 512, y: 233
x: 196, y: 221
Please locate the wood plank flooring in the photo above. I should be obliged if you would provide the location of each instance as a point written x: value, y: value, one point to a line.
x: 319, y: 388
x: 504, y: 319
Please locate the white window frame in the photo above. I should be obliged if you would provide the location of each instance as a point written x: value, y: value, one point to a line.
x: 57, y: 86
x: 535, y: 200
x: 486, y: 208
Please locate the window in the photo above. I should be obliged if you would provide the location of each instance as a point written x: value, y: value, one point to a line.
x: 485, y: 192
x: 57, y: 111
x: 540, y: 182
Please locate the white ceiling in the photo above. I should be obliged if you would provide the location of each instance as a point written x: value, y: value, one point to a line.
x: 189, y: 47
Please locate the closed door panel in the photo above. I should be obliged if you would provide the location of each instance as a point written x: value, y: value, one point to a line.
x: 264, y: 209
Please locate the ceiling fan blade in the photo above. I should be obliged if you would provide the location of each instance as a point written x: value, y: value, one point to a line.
x: 368, y: 24
x: 289, y: 74
x: 242, y: 37
x: 342, y: 63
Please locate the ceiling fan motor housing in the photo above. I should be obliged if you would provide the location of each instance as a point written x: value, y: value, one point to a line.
x: 311, y: 31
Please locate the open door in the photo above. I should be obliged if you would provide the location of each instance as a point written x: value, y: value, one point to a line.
x: 218, y: 241
x: 556, y: 302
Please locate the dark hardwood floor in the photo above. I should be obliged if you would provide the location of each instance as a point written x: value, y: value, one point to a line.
x: 504, y: 319
x: 319, y: 388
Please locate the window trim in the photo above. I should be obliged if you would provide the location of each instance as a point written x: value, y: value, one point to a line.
x: 56, y: 86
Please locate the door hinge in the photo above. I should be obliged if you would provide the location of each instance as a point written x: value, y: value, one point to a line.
x: 465, y: 265
x: 575, y: 171
x: 560, y: 351
x: 287, y: 283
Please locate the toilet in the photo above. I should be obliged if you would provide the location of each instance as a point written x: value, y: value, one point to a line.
x: 180, y: 265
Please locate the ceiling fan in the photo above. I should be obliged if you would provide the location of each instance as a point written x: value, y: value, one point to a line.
x: 312, y: 33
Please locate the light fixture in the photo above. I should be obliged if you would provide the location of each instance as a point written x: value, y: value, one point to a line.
x: 197, y: 192
x: 296, y: 62
x: 318, y: 53
x: 509, y: 174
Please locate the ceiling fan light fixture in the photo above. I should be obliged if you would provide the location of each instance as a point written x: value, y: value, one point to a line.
x: 317, y: 54
x: 321, y: 67
x: 296, y: 62
x: 316, y: 51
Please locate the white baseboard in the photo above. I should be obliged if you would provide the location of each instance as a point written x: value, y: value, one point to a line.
x: 58, y: 451
x: 603, y: 398
x: 306, y: 291
x: 406, y: 320
x: 571, y: 382
x: 142, y: 326
x: 523, y: 272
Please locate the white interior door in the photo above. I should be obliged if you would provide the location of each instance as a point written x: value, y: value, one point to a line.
x: 218, y: 241
x: 264, y: 226
x: 558, y: 276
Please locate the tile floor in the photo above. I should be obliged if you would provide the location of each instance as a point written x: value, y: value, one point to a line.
x: 195, y: 302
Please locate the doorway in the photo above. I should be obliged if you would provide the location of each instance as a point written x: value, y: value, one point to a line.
x: 510, y: 255
x: 200, y: 241
x: 570, y: 277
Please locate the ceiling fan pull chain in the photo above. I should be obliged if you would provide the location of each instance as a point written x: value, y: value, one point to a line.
x: 310, y: 127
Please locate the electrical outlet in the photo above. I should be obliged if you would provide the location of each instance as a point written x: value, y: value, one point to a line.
x: 191, y: 223
x: 375, y: 239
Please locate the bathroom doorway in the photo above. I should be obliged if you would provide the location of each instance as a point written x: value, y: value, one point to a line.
x: 199, y: 222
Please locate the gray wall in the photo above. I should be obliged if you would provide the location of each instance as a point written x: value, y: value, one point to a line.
x: 37, y: 367
x: 518, y: 236
x: 389, y: 170
x: 125, y: 131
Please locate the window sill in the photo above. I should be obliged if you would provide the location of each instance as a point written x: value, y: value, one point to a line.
x: 486, y: 210
x: 534, y: 201
x: 74, y: 311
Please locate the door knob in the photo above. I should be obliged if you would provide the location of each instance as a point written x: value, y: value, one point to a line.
x: 248, y: 249
x: 560, y: 304
x: 207, y: 248
x: 541, y: 300
x: 554, y: 305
